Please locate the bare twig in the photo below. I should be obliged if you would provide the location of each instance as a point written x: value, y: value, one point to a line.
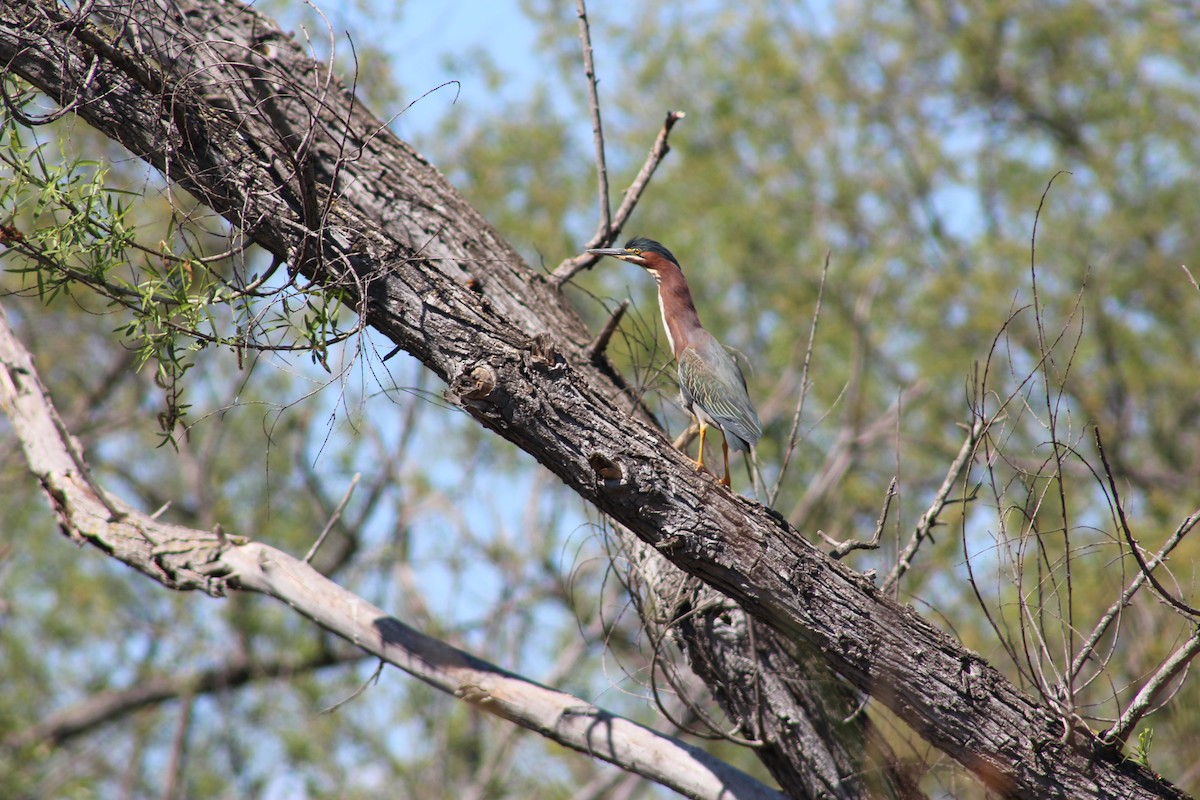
x: 589, y: 67
x: 929, y: 519
x: 1088, y: 647
x: 372, y: 680
x: 841, y: 549
x: 570, y: 267
x: 791, y: 440
x: 1191, y: 277
x: 1171, y: 600
x: 1055, y: 442
x: 337, y: 514
x: 598, y: 345
x: 1149, y: 693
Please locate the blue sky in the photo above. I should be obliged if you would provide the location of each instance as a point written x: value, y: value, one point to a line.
x: 429, y: 34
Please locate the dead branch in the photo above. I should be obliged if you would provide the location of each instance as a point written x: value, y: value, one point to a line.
x: 842, y: 549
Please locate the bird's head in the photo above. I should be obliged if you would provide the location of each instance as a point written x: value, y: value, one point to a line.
x: 646, y: 253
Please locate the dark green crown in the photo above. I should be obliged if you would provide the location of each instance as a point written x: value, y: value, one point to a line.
x: 649, y: 245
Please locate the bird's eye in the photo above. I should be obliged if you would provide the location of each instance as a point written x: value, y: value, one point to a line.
x: 637, y: 251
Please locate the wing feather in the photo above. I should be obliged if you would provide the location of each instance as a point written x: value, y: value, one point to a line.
x: 710, y: 378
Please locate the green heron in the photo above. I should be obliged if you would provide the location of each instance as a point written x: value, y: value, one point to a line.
x: 711, y: 385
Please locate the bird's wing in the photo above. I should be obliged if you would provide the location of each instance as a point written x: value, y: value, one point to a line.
x: 713, y: 381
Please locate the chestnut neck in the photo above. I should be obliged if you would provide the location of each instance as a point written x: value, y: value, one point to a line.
x: 675, y: 302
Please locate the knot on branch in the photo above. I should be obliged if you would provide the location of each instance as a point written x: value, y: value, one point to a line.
x: 605, y: 468
x: 542, y: 352
x: 475, y: 384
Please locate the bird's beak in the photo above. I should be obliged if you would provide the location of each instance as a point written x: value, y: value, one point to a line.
x: 615, y: 252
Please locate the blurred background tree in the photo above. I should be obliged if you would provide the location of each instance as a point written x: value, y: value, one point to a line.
x: 912, y: 143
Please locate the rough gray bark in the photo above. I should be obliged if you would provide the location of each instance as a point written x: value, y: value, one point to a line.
x: 221, y: 102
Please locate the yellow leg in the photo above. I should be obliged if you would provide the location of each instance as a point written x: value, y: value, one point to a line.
x: 725, y: 452
x: 700, y: 457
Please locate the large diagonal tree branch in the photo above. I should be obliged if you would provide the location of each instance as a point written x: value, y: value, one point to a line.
x: 321, y: 184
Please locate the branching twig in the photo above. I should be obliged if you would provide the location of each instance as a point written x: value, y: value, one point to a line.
x: 929, y: 519
x: 841, y: 549
x: 1171, y: 599
x: 570, y: 267
x: 1166, y: 673
x: 1086, y: 650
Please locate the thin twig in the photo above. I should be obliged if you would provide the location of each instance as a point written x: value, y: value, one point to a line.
x: 812, y: 335
x: 598, y: 345
x: 1086, y: 650
x: 1166, y: 673
x: 1052, y: 425
x: 841, y: 549
x: 1191, y: 277
x: 589, y: 68
x: 1133, y: 545
x: 929, y: 519
x: 373, y: 679
x: 570, y: 267
x: 337, y: 514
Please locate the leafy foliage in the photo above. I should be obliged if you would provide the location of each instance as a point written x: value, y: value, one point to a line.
x: 75, y: 230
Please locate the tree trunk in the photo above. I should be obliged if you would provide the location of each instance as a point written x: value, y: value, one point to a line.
x: 216, y: 97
